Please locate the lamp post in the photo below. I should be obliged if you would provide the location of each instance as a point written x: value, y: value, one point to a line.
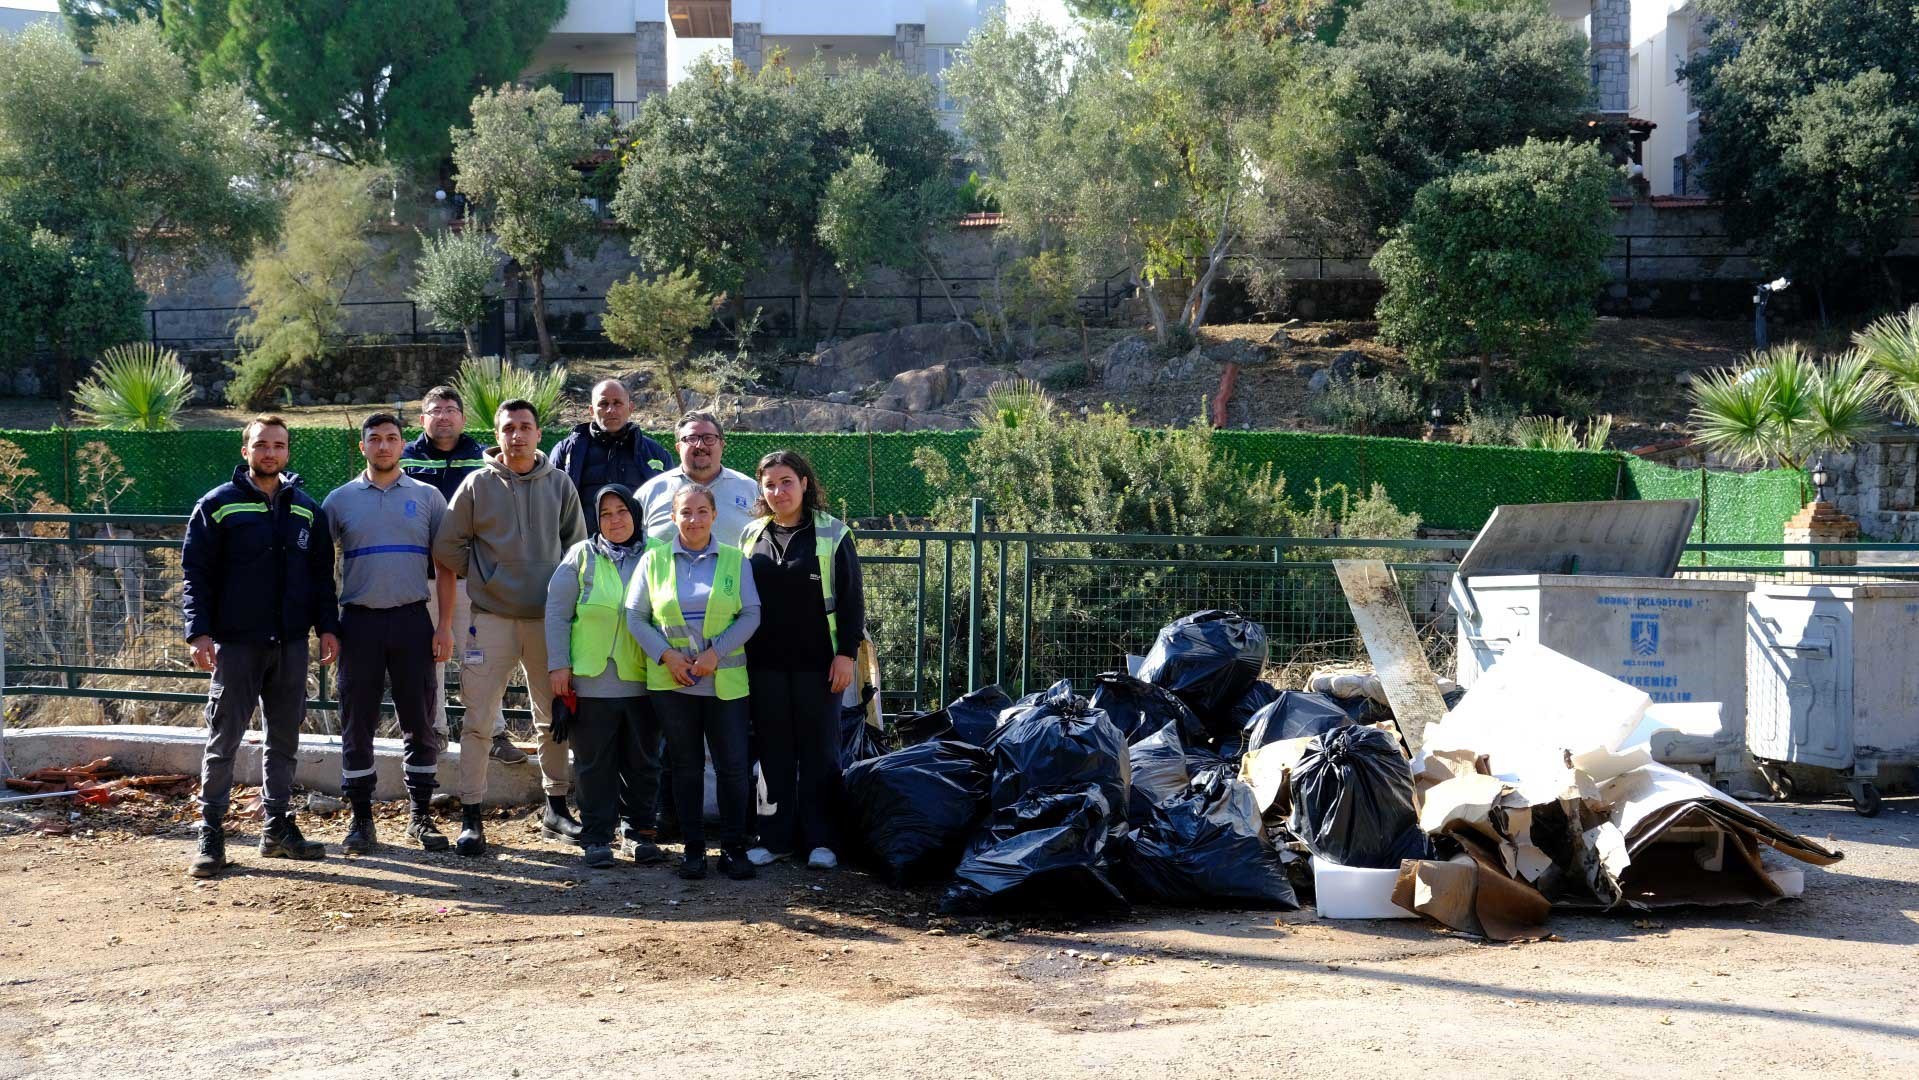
x: 1760, y: 295
x: 1432, y: 426
x: 1820, y: 478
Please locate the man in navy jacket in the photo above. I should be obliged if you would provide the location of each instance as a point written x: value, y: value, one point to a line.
x: 609, y: 450
x: 258, y: 559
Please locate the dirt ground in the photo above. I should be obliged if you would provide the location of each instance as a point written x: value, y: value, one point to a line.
x: 400, y: 964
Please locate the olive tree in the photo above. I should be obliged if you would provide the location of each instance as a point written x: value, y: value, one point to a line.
x: 517, y: 163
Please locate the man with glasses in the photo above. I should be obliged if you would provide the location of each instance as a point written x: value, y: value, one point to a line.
x: 608, y: 450
x: 701, y: 443
x: 445, y: 455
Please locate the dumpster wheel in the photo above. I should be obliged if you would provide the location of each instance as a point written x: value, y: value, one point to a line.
x: 1865, y: 800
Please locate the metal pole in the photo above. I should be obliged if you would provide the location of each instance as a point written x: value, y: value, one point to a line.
x: 919, y: 633
x: 1026, y: 624
x: 999, y: 608
x: 972, y: 599
x: 5, y: 769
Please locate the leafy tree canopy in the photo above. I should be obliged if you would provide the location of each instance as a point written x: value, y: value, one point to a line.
x: 1414, y: 86
x: 362, y: 81
x: 1501, y: 257
x: 124, y: 152
x: 1810, y: 127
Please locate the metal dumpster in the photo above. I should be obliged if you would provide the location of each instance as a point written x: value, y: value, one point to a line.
x: 1594, y: 582
x: 1831, y: 681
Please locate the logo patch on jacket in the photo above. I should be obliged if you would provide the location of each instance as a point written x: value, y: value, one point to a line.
x: 300, y: 540
x: 412, y: 508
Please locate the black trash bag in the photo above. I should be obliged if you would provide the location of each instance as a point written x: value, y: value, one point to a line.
x: 1353, y: 800
x: 1257, y: 696
x: 858, y: 740
x: 1210, y: 659
x: 1045, y: 851
x: 1162, y: 767
x: 1206, y: 847
x: 968, y: 718
x: 1060, y: 743
x: 1453, y: 697
x: 1296, y: 714
x: 913, y: 810
x: 1136, y: 707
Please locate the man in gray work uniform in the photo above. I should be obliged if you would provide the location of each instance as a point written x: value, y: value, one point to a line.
x: 384, y: 524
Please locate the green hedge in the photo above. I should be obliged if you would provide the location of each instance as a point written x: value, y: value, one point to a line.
x: 871, y: 475
x: 1735, y: 508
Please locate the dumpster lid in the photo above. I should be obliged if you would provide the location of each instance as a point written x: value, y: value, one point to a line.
x: 1634, y: 537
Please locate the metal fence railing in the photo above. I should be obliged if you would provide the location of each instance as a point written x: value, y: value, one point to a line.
x: 90, y: 607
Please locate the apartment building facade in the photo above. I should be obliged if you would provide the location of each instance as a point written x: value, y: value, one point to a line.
x: 616, y: 53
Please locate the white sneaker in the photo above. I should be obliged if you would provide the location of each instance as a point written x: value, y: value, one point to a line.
x: 822, y: 859
x: 759, y: 856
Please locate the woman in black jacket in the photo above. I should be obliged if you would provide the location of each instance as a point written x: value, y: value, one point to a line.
x: 813, y: 618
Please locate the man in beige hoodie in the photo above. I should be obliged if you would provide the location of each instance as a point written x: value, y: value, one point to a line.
x: 507, y: 527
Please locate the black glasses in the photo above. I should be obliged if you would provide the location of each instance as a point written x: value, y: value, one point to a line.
x: 700, y: 440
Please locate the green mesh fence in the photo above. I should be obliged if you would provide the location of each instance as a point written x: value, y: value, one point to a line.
x: 1734, y: 508
x: 872, y: 475
x: 1448, y: 485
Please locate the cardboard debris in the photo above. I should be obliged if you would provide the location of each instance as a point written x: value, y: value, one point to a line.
x: 1469, y: 894
x: 1686, y: 842
x: 1536, y: 705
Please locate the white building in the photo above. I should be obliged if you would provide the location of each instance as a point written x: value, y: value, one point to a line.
x: 17, y: 15
x: 618, y: 52
x: 1666, y: 34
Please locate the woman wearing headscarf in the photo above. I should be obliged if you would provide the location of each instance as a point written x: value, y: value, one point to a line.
x: 692, y: 606
x: 808, y: 575
x: 599, y: 670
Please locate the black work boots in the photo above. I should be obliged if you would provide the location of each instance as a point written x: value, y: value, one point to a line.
x: 281, y: 839
x: 472, y: 838
x: 211, y: 858
x: 360, y: 834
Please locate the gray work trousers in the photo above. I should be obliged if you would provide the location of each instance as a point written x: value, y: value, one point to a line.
x: 245, y: 674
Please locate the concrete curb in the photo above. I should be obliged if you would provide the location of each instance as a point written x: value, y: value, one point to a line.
x: 152, y: 748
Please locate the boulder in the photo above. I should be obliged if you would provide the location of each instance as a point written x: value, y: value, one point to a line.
x: 1237, y: 351
x: 856, y: 362
x: 1127, y: 363
x: 976, y: 381
x: 920, y: 391
x: 1321, y: 337
x: 1320, y: 380
x: 1349, y: 365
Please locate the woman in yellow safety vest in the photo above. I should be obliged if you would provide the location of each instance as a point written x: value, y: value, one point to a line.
x: 692, y: 607
x: 808, y: 575
x: 595, y: 659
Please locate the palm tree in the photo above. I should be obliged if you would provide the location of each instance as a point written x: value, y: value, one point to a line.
x: 1787, y: 406
x: 1891, y: 344
x: 138, y: 386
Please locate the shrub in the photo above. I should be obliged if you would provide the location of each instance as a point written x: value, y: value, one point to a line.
x: 487, y: 381
x: 656, y: 319
x: 296, y: 290
x: 453, y: 274
x: 1367, y: 406
x: 139, y: 386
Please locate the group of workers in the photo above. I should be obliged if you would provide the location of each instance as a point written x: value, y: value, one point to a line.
x: 662, y: 616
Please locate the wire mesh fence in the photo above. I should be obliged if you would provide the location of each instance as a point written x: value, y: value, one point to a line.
x: 91, y: 616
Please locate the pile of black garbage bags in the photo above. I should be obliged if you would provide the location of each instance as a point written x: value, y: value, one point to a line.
x: 1131, y: 791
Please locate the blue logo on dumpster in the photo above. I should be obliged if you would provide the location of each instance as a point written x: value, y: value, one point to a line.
x: 1645, y: 635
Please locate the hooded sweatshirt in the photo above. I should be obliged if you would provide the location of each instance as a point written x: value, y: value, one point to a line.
x: 563, y: 595
x: 504, y: 533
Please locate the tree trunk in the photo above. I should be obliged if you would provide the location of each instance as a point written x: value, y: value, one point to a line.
x: 472, y: 348
x: 846, y: 293
x: 803, y: 318
x: 63, y: 382
x: 1819, y: 291
x: 945, y: 290
x: 1485, y: 376
x: 537, y: 275
x: 1161, y: 331
x: 1893, y: 290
